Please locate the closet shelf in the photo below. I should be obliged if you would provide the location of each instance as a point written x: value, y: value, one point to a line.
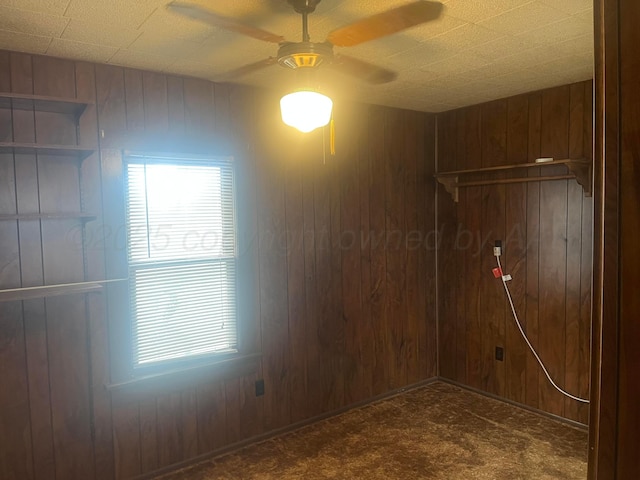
x: 43, y: 103
x: 578, y: 169
x: 32, y: 148
x: 41, y: 291
x: 85, y: 217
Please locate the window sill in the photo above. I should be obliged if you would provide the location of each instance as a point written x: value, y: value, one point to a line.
x: 146, y: 386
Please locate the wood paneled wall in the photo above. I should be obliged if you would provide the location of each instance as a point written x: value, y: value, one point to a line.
x: 546, y: 230
x: 614, y: 434
x: 337, y: 269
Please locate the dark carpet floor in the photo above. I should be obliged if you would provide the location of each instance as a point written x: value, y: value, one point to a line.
x: 434, y: 432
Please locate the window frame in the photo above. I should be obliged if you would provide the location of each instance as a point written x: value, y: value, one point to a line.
x: 122, y: 378
x: 186, y: 362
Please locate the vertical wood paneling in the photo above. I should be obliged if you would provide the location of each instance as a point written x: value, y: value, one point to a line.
x: 6, y: 131
x: 628, y: 460
x: 446, y: 233
x: 494, y: 152
x: 67, y: 334
x: 156, y: 113
x: 198, y: 107
x: 175, y: 105
x: 26, y: 178
x: 94, y: 268
x: 312, y: 357
x: 515, y: 259
x: 335, y: 319
x: 409, y: 252
x: 134, y: 101
x: 533, y: 251
x: 356, y: 378
x: 111, y: 103
x: 553, y: 249
x: 376, y: 293
x: 240, y: 111
x: 232, y: 400
x: 127, y: 443
x: 70, y: 397
x: 170, y: 434
x: 21, y: 81
x: 395, y: 307
x: 364, y: 338
x: 212, y: 413
x: 251, y: 409
x: 15, y: 435
x: 273, y: 277
x: 148, y: 417
x: 586, y: 272
x: 460, y: 259
x: 295, y: 288
x: 573, y: 367
x: 546, y: 232
x: 335, y: 297
x: 330, y: 383
x: 426, y: 195
x: 470, y: 242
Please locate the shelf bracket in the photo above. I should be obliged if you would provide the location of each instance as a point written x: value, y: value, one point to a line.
x: 582, y: 172
x: 450, y: 184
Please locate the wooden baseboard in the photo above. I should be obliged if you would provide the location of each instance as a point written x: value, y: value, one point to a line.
x: 552, y: 416
x: 281, y: 431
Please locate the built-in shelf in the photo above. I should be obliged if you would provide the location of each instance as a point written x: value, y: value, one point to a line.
x: 86, y: 217
x: 29, y: 293
x: 33, y: 148
x: 578, y: 169
x: 41, y: 291
x: 43, y: 103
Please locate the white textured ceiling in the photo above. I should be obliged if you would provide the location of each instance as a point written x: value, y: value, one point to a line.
x: 477, y: 51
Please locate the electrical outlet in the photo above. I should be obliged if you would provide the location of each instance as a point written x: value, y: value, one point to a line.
x: 497, y: 248
x: 500, y: 354
x: 259, y: 388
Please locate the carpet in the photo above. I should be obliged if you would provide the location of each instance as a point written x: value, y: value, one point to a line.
x: 438, y: 431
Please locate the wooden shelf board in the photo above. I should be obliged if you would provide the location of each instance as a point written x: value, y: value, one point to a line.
x: 505, y: 181
x: 501, y: 168
x: 28, y: 293
x: 578, y: 169
x: 41, y: 291
x: 48, y: 216
x: 43, y: 103
x: 42, y: 149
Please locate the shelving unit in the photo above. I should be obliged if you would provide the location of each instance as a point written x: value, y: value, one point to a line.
x: 578, y: 169
x: 42, y: 103
x: 70, y: 108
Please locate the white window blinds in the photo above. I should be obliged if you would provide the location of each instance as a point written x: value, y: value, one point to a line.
x: 181, y: 251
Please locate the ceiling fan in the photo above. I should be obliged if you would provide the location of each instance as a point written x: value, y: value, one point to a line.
x: 307, y: 55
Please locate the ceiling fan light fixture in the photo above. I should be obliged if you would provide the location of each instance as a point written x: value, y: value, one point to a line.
x: 306, y: 110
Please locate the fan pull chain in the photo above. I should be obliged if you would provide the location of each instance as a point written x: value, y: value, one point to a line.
x: 332, y: 136
x: 324, y: 148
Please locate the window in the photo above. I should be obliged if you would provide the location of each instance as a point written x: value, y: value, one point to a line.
x: 181, y: 246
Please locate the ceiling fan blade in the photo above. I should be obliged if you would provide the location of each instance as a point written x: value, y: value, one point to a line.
x: 198, y: 13
x: 363, y: 70
x: 247, y: 69
x: 385, y: 23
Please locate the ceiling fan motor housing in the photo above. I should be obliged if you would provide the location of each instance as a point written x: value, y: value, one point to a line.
x: 304, y: 6
x: 304, y: 54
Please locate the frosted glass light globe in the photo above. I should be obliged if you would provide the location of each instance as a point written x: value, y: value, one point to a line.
x: 306, y: 110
